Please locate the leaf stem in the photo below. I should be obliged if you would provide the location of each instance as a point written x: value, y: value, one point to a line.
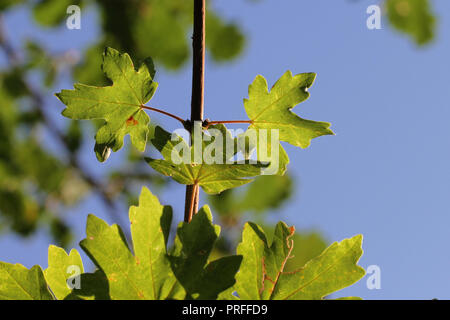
x: 166, y: 113
x: 197, y: 98
x: 209, y: 123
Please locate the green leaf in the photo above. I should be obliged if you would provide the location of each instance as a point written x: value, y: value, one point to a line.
x: 147, y: 273
x: 213, y: 178
x: 61, y: 267
x: 189, y: 256
x: 307, y: 245
x: 225, y: 40
x: 412, y: 17
x: 6, y: 4
x: 272, y: 110
x: 120, y: 105
x: 19, y: 283
x: 94, y: 286
x: 159, y: 29
x: 267, y: 192
x: 262, y: 274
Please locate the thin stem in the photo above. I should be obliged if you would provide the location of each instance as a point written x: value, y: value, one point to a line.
x: 209, y: 123
x: 166, y: 113
x: 197, y: 98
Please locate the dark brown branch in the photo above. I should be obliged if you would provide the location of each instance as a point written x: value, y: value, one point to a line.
x: 198, y: 80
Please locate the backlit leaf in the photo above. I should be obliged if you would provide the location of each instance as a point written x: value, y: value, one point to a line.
x: 61, y: 267
x: 272, y: 109
x: 213, y: 178
x: 263, y: 276
x: 147, y: 273
x: 19, y: 283
x: 120, y: 105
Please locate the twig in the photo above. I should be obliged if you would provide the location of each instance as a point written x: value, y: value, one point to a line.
x: 198, y: 80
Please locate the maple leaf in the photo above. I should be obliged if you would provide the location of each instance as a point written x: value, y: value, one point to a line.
x: 120, y: 105
x: 20, y: 283
x: 272, y: 110
x: 189, y: 258
x: 262, y: 274
x: 146, y: 274
x: 213, y: 178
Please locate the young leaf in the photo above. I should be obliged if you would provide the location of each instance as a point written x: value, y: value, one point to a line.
x: 262, y: 274
x: 120, y: 105
x: 213, y: 178
x: 19, y: 283
x: 147, y: 274
x: 189, y: 257
x: 61, y: 266
x: 272, y: 110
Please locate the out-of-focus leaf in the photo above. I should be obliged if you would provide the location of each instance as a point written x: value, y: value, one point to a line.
x: 412, y: 17
x: 161, y: 30
x: 42, y: 168
x: 266, y: 193
x: 60, y: 232
x: 87, y: 71
x: 225, y: 41
x: 74, y: 136
x: 50, y: 13
x: 14, y: 83
x: 6, y: 4
x: 21, y: 212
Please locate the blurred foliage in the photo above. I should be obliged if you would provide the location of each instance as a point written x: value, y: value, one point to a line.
x: 412, y: 17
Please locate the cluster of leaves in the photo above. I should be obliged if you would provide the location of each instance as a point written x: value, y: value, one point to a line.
x: 33, y: 195
x: 153, y: 270
x: 122, y: 107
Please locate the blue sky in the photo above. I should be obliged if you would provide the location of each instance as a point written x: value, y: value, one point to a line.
x: 385, y: 174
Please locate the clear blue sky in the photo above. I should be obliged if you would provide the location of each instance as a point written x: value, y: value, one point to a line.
x: 386, y: 173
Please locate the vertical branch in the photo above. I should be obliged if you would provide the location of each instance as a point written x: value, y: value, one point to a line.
x: 198, y: 79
